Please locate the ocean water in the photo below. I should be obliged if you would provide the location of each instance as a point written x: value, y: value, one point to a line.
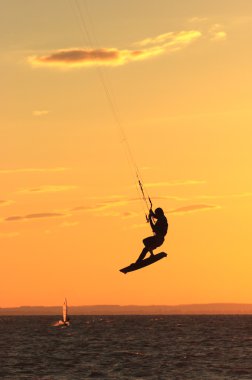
x: 126, y: 347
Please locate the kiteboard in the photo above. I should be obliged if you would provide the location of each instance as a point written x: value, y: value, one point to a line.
x: 150, y: 260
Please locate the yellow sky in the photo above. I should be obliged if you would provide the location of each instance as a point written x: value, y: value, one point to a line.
x: 178, y: 76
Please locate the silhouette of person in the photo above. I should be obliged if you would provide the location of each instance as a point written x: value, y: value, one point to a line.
x: 159, y: 228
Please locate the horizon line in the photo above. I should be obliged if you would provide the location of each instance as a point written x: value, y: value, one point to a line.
x: 133, y: 305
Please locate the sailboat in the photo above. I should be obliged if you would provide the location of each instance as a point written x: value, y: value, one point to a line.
x: 65, y: 319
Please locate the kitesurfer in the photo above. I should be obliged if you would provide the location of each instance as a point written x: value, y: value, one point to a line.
x: 159, y: 228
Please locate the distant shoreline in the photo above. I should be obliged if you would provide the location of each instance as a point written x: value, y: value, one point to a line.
x: 193, y: 309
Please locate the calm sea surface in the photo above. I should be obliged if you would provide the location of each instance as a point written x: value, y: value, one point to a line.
x: 126, y: 347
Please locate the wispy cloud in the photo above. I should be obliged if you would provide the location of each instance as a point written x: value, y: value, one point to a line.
x: 214, y: 32
x: 217, y: 33
x: 32, y: 170
x: 148, y: 48
x: 197, y: 20
x: 219, y: 36
x: 171, y: 39
x: 69, y: 224
x: 6, y: 203
x: 47, y: 189
x: 9, y: 234
x: 193, y: 208
x: 106, y: 206
x: 224, y: 196
x: 175, y: 183
x: 42, y: 215
x: 40, y: 113
x: 102, y: 206
x: 110, y: 213
x: 170, y: 197
x: 108, y: 198
x: 129, y: 214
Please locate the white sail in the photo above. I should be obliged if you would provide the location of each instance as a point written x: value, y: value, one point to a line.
x: 65, y: 317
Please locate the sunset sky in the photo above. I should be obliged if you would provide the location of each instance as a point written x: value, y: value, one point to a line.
x: 77, y: 77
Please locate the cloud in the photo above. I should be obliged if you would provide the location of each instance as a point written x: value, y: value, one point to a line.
x: 32, y: 170
x: 5, y: 203
x: 170, y: 197
x: 71, y: 58
x: 198, y: 19
x: 227, y: 196
x: 149, y: 47
x: 69, y: 224
x: 175, y: 183
x: 9, y: 234
x: 14, y: 218
x: 35, y: 216
x: 40, y: 113
x: 193, y: 208
x: 106, y: 205
x: 219, y: 36
x: 129, y: 214
x: 109, y: 213
x: 171, y: 39
x: 217, y: 33
x: 47, y: 189
x: 44, y: 215
x: 103, y: 203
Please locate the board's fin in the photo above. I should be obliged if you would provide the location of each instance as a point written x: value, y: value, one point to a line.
x: 150, y: 260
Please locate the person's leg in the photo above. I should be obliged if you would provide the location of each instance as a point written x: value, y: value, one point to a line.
x: 148, y: 243
x: 142, y: 254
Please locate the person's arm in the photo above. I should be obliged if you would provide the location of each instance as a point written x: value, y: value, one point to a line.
x: 151, y: 215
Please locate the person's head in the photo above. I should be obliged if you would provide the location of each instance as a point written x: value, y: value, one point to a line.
x: 159, y: 212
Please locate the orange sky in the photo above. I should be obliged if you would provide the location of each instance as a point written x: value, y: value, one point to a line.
x: 179, y: 75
